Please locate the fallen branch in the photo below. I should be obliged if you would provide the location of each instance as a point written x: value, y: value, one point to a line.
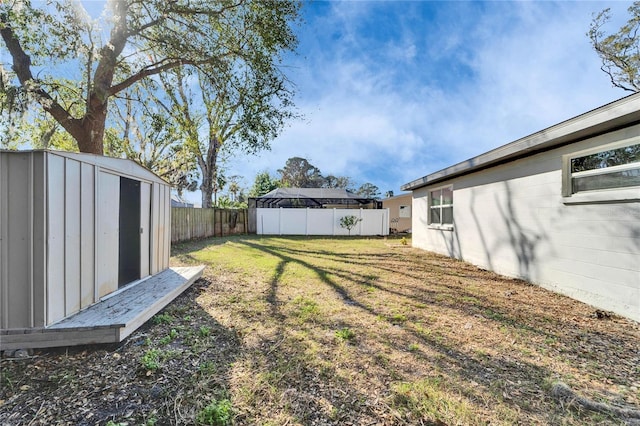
x: 565, y: 394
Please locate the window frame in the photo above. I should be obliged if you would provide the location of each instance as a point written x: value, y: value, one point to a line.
x: 631, y: 193
x: 440, y: 206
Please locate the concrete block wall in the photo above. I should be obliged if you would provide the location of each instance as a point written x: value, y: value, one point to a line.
x: 512, y: 219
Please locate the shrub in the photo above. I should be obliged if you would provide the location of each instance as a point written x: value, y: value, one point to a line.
x: 217, y: 413
x: 349, y: 222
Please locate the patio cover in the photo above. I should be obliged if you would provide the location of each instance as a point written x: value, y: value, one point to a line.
x: 313, y: 198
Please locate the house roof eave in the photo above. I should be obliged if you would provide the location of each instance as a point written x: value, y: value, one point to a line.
x: 615, y: 115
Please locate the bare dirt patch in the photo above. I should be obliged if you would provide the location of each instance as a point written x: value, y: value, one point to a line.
x: 333, y: 332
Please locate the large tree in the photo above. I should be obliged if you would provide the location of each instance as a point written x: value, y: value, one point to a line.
x: 299, y: 173
x: 619, y: 52
x: 369, y: 190
x: 340, y: 182
x: 241, y: 108
x: 145, y: 38
x: 143, y: 133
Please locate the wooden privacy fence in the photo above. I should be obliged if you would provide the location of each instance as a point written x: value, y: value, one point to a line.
x: 192, y: 223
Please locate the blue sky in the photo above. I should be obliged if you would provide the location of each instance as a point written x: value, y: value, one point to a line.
x: 391, y: 90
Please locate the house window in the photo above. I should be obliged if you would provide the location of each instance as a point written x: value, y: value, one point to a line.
x: 599, y: 171
x: 441, y: 206
x: 405, y: 211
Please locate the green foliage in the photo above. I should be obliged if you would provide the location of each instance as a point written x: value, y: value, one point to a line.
x: 431, y: 400
x: 144, y: 134
x: 225, y: 202
x: 299, y: 173
x: 164, y: 318
x: 151, y: 360
x: 307, y: 309
x: 235, y: 50
x: 398, y: 318
x: 217, y: 413
x: 369, y: 190
x: 619, y: 52
x: 207, y: 367
x: 340, y: 182
x: 263, y: 184
x: 173, y: 334
x: 204, y: 331
x: 345, y: 333
x: 349, y: 222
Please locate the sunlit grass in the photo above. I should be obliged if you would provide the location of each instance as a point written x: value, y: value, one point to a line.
x: 352, y: 328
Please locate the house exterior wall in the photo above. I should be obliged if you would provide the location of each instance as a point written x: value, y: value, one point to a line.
x: 59, y: 233
x: 400, y: 221
x: 513, y: 219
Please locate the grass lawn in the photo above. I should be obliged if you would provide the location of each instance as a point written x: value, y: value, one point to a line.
x: 313, y: 331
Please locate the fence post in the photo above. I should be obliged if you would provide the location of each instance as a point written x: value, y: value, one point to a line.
x: 334, y: 222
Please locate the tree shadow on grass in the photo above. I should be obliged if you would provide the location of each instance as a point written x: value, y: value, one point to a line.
x: 489, y: 374
x: 454, y: 363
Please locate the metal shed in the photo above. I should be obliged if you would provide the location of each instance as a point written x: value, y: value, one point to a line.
x: 74, y: 228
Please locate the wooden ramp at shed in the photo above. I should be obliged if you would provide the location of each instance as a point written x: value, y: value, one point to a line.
x: 113, y: 318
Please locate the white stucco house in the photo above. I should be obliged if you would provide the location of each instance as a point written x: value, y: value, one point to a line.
x: 559, y: 208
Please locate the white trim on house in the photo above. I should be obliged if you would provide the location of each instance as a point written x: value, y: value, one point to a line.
x: 625, y: 194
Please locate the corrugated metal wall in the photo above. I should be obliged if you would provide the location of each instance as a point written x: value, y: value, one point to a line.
x: 22, y: 248
x: 59, y: 234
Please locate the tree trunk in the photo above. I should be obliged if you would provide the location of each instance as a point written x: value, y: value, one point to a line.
x: 207, y: 193
x: 91, y: 139
x: 208, y: 169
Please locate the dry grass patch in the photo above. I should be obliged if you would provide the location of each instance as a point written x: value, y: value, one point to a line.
x: 350, y: 331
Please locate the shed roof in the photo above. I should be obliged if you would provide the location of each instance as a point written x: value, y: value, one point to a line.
x: 122, y: 166
x: 615, y: 115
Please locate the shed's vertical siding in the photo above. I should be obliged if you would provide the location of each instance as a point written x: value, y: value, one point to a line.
x: 155, y: 225
x: 73, y: 216
x: 71, y: 198
x: 145, y: 224
x: 512, y: 219
x: 16, y: 235
x: 166, y: 206
x: 59, y: 232
x: 87, y: 235
x: 161, y: 227
x: 21, y: 228
x: 39, y: 246
x: 108, y: 213
x: 56, y: 250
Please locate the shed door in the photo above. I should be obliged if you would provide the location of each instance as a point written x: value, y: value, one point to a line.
x: 129, y: 238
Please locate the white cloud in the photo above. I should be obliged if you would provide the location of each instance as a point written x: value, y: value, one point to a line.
x: 466, y: 80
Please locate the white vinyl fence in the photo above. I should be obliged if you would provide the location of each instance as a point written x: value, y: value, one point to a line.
x: 320, y: 221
